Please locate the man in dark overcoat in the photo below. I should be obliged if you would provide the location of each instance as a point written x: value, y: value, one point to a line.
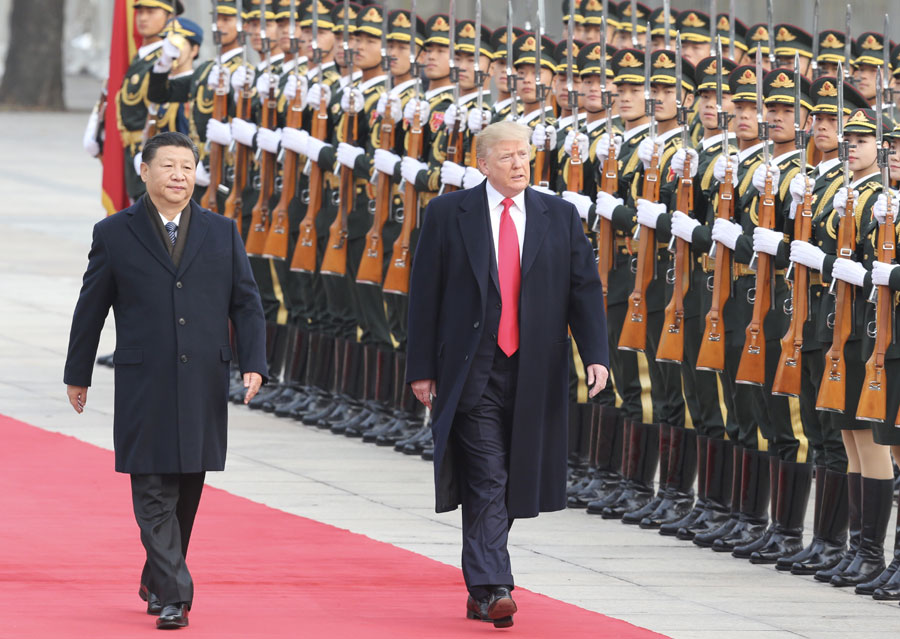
x: 174, y: 274
x: 502, y: 272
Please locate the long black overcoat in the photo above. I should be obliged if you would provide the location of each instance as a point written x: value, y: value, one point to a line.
x: 560, y: 289
x: 173, y: 352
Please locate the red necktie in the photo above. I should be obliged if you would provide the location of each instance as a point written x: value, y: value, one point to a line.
x: 510, y: 271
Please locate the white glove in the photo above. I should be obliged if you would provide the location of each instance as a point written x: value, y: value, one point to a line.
x: 648, y: 212
x: 295, y: 140
x: 683, y: 226
x: 807, y: 254
x: 89, y: 141
x: 452, y: 173
x: 798, y: 186
x: 170, y: 53
x: 602, y: 150
x: 726, y: 232
x: 138, y: 158
x: 543, y: 189
x: 766, y: 240
x: 316, y: 93
x: 385, y: 161
x: 452, y: 122
x: 352, y: 100
x: 410, y: 168
x: 218, y: 132
x: 678, y: 162
x: 347, y: 154
x: 268, y: 139
x: 607, y: 203
x: 265, y: 82
x: 239, y: 80
x: 396, y: 111
x: 201, y: 175
x: 410, y: 110
x: 477, y: 120
x: 849, y: 271
x: 540, y: 134
x: 645, y: 151
x: 881, y: 273
x: 243, y: 131
x: 879, y: 210
x: 719, y: 169
x: 289, y: 91
x: 473, y: 177
x: 759, y: 177
x: 314, y: 147
x: 582, y: 203
x: 839, y: 203
x: 582, y: 141
x: 217, y: 71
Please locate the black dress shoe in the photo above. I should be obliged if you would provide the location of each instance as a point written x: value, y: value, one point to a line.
x: 154, y: 605
x: 501, y: 607
x: 477, y: 609
x: 173, y: 616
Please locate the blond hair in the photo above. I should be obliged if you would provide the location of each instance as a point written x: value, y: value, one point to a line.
x: 502, y: 131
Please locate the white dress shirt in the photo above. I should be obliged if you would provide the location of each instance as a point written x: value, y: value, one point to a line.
x: 516, y: 212
x: 176, y: 219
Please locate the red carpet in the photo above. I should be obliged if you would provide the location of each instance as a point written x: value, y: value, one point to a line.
x: 70, y: 558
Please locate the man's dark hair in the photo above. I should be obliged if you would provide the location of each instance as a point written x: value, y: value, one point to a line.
x: 169, y: 138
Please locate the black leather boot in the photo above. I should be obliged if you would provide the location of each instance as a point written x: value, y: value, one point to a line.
x: 288, y: 382
x: 794, y: 481
x: 605, y: 456
x: 296, y: 382
x: 719, y: 474
x: 830, y: 539
x: 643, y: 453
x: 679, y: 496
x: 276, y: 368
x: 635, y: 515
x: 406, y: 405
x: 890, y: 589
x: 731, y: 494
x: 582, y: 431
x: 854, y: 528
x: 877, y: 499
x: 784, y: 563
x: 670, y: 528
x: 614, y: 490
x: 745, y: 549
x: 754, y: 497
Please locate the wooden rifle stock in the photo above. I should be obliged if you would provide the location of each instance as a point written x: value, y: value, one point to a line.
x: 455, y: 152
x: 671, y: 341
x: 216, y: 151
x: 397, y: 278
x: 542, y: 165
x: 234, y: 203
x: 711, y: 356
x: 261, y: 215
x: 304, y: 260
x: 872, y: 405
x: 787, y: 375
x: 606, y: 250
x: 371, y: 267
x: 277, y: 238
x: 335, y: 260
x: 834, y: 379
x: 634, y: 330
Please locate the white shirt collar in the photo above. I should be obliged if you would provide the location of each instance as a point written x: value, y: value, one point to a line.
x: 313, y: 73
x: 499, y: 106
x: 275, y: 60
x: 746, y: 153
x: 288, y: 66
x: 708, y: 142
x: 495, y: 198
x: 230, y: 54
x: 630, y: 133
x: 663, y: 137
x: 516, y: 214
x: 345, y: 82
x: 525, y: 119
x: 784, y: 156
x: 470, y: 97
x: 371, y: 82
x: 591, y: 126
x: 856, y: 183
x: 177, y: 219
x: 826, y: 165
x: 429, y: 95
x: 400, y: 88
x: 182, y: 74
x: 147, y: 49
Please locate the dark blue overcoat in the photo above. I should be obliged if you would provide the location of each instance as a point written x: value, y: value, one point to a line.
x: 173, y: 351
x: 560, y: 289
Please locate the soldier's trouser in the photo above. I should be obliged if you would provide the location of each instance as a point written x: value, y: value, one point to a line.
x: 665, y: 378
x: 820, y: 428
x: 625, y: 368
x: 701, y: 388
x: 368, y: 302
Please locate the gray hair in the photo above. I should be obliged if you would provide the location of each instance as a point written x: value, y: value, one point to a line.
x: 503, y: 131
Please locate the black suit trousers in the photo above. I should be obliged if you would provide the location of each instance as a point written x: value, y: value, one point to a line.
x: 481, y: 436
x: 165, y: 507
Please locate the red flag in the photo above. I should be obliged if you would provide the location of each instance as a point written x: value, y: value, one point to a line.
x: 123, y: 46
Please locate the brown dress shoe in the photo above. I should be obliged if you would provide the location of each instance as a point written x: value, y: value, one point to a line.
x: 501, y: 607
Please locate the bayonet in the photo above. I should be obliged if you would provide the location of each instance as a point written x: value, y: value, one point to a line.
x: 217, y: 37
x: 413, y: 64
x: 511, y: 77
x: 479, y: 74
x: 770, y: 27
x: 815, y: 53
x: 538, y: 61
x: 385, y: 58
x: 295, y: 48
x: 667, y: 17
x: 606, y: 96
x: 634, y: 31
x: 570, y: 72
x: 732, y: 30
x: 886, y: 66
x: 264, y: 35
x: 316, y: 51
x: 848, y: 43
x: 713, y: 26
x: 680, y: 110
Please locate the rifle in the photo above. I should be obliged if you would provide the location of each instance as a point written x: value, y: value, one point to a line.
x: 814, y: 63
x: 575, y: 179
x: 713, y: 27
x: 479, y: 82
x: 371, y: 267
x: 834, y: 379
x: 541, y: 156
x: 609, y: 174
x: 234, y: 203
x: 511, y: 76
x: 335, y: 260
x: 711, y: 356
x: 671, y: 341
x: 787, y: 375
x: 752, y: 367
x: 732, y: 29
x: 770, y: 28
x: 396, y: 280
x: 455, y: 136
x: 304, y: 259
x: 634, y: 30
x: 220, y: 113
x: 634, y: 331
x: 277, y: 239
x: 873, y: 398
x: 260, y: 217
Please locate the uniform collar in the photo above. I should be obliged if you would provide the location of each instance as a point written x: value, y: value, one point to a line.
x: 433, y: 93
x: 371, y: 82
x: 596, y: 124
x: 746, y: 153
x: 230, y: 54
x: 707, y: 143
x: 785, y: 156
x: 147, y: 49
x: 314, y: 72
x: 275, y: 60
x: 403, y: 86
x: 630, y: 133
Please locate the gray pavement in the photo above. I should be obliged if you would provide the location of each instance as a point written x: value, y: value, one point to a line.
x: 49, y: 199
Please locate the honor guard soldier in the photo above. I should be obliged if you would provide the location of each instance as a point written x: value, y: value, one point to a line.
x: 631, y: 29
x: 175, y: 116
x: 791, y: 40
x: 758, y: 38
x: 504, y: 104
x: 658, y: 28
x: 591, y: 14
x: 723, y: 30
x: 832, y: 47
x: 867, y: 63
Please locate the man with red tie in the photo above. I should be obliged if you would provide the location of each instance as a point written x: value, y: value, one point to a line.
x: 501, y: 274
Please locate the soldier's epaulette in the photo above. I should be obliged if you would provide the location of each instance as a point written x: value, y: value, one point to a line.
x: 708, y: 175
x: 786, y: 177
x: 754, y: 162
x: 828, y: 196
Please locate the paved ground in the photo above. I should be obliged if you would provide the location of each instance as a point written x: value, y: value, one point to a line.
x: 49, y: 201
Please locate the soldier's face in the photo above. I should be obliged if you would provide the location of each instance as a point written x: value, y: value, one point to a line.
x: 368, y: 50
x: 630, y: 103
x: 622, y: 39
x: 527, y: 84
x: 781, y: 121
x: 709, y: 116
x: 399, y: 55
x: 745, y: 125
x: 693, y: 52
x: 825, y: 132
x: 150, y: 21
x: 283, y: 29
x: 252, y: 29
x: 498, y: 73
x: 170, y: 175
x: 325, y: 41
x: 227, y: 26
x: 895, y: 83
x: 592, y: 91
x: 657, y: 43
x: 894, y: 160
x: 561, y: 91
x: 465, y: 62
x: 591, y: 33
x: 437, y: 61
x: 864, y: 77
x: 828, y: 68
x: 508, y: 167
x: 862, y: 153
x: 339, y: 49
x: 787, y: 62
x: 578, y: 31
x: 665, y: 107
